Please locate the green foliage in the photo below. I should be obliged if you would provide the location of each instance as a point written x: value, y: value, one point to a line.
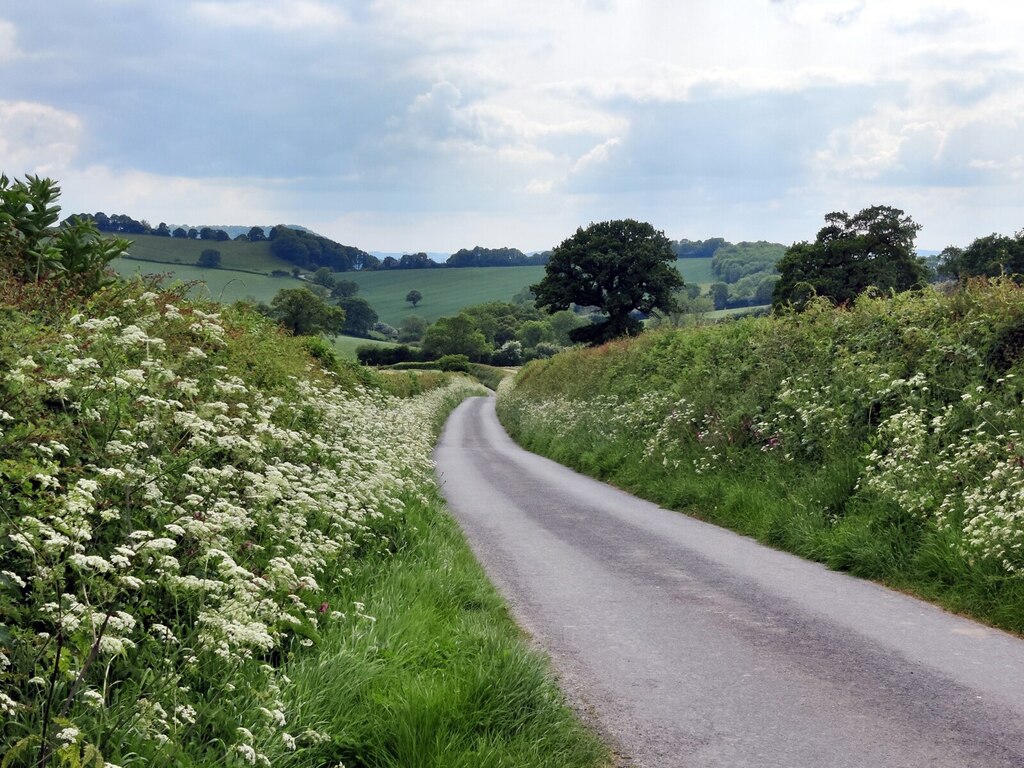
x: 732, y: 262
x: 324, y: 277
x: 414, y: 297
x: 440, y: 677
x: 453, y: 363
x: 881, y: 438
x: 873, y: 248
x: 344, y: 289
x: 698, y: 249
x: 176, y: 479
x: 412, y: 328
x: 719, y: 295
x: 359, y: 316
x: 311, y: 251
x: 456, y: 336
x: 304, y: 313
x: 494, y: 257
x: 32, y: 249
x: 387, y: 355
x: 990, y: 256
x: 209, y: 259
x: 617, y: 266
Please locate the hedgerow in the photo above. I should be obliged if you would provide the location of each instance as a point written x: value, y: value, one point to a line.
x: 177, y: 482
x: 884, y: 437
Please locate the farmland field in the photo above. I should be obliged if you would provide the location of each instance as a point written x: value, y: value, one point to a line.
x: 445, y: 291
x: 696, y: 271
x: 240, y: 254
x: 346, y: 346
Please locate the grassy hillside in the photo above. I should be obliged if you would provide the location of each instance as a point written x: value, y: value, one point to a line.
x: 240, y: 255
x: 346, y: 346
x: 445, y: 291
x: 884, y: 439
x: 696, y: 271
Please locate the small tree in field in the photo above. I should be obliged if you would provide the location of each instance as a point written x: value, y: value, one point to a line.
x: 414, y: 297
x: 209, y: 258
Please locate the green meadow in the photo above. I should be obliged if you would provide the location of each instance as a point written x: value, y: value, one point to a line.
x: 696, y: 271
x: 234, y: 254
x: 445, y: 291
x: 246, y: 267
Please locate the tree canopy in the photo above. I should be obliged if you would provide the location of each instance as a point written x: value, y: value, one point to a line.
x: 33, y: 250
x: 305, y: 314
x: 359, y: 315
x: 617, y: 266
x: 456, y: 336
x: 874, y: 247
x: 210, y: 259
x: 989, y: 256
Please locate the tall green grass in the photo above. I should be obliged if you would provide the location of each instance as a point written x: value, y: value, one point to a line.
x: 882, y: 439
x: 439, y: 677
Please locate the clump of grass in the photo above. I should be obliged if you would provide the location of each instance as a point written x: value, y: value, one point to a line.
x: 434, y: 672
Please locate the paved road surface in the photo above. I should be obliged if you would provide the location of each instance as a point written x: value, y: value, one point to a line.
x: 692, y: 646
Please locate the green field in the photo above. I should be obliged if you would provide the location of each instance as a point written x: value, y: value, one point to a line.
x: 346, y: 346
x: 241, y: 254
x: 696, y: 271
x: 445, y: 291
x: 223, y: 285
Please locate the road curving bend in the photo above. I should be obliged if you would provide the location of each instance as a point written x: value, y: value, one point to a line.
x: 689, y: 645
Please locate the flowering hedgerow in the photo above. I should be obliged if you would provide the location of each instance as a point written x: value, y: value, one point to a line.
x: 913, y: 402
x: 171, y: 504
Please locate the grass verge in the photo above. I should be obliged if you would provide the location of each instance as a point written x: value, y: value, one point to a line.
x: 440, y: 675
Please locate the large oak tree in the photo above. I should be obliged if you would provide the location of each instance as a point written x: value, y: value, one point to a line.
x: 617, y: 266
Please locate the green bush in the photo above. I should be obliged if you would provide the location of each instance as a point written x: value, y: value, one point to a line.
x: 453, y: 363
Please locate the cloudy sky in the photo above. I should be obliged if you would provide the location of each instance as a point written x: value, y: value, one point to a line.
x: 405, y: 125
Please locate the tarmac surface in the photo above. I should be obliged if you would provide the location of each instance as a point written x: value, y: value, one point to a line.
x: 687, y: 645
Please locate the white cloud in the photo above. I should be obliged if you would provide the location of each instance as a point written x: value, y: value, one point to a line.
x: 295, y: 16
x: 729, y: 114
x: 37, y: 138
x: 8, y: 41
x: 173, y: 198
x: 597, y: 155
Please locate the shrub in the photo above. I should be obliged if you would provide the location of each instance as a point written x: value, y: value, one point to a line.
x: 453, y: 363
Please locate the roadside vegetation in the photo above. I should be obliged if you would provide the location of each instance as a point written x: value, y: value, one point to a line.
x: 882, y: 438
x: 220, y: 545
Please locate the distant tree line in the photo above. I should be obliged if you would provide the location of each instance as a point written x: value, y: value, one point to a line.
x: 697, y: 249
x: 496, y: 257
x: 989, y: 256
x: 311, y: 251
